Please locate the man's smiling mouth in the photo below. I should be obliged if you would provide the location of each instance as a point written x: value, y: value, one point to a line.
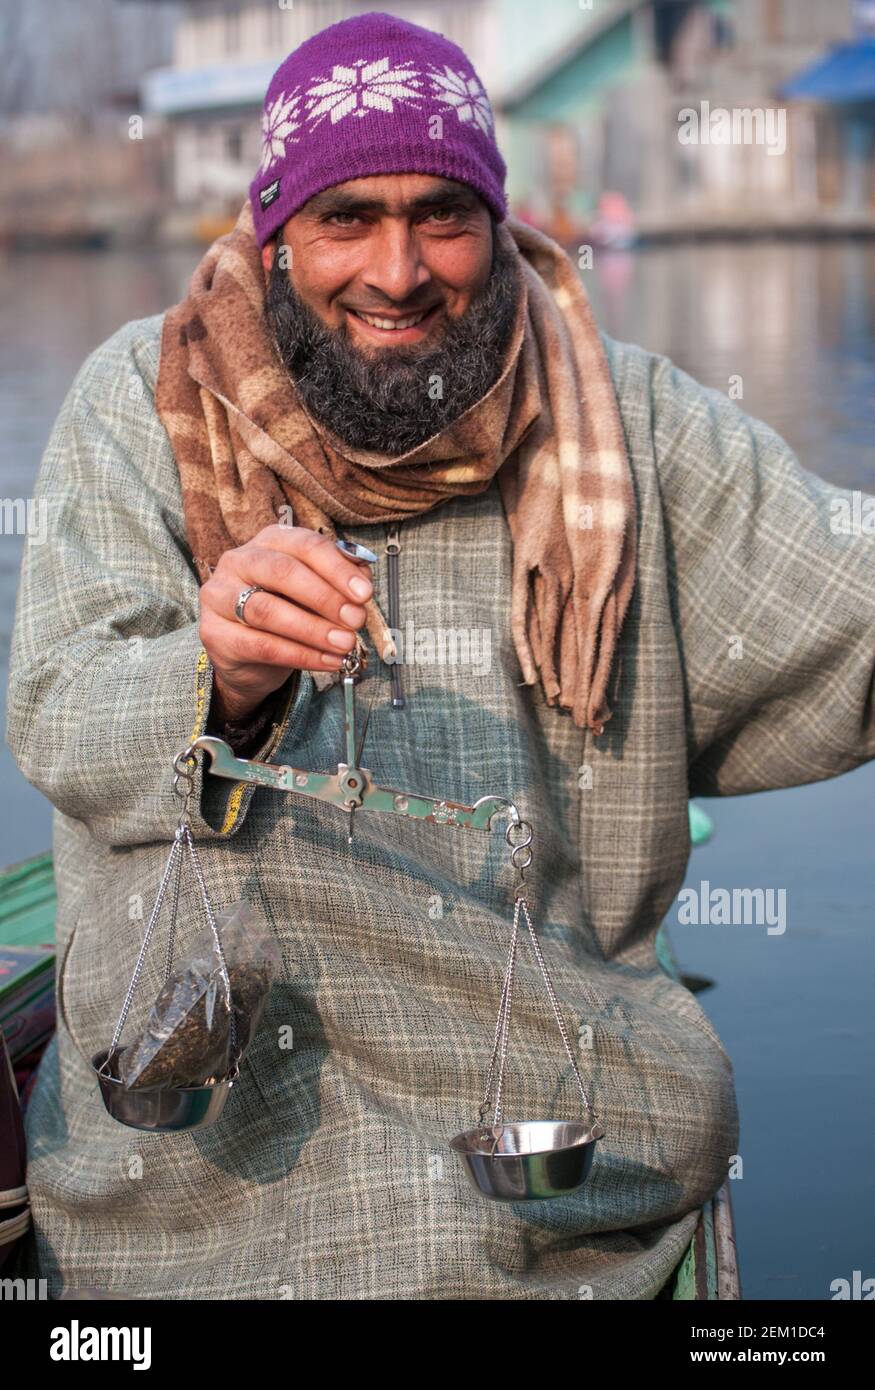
x: 396, y: 324
x: 392, y: 324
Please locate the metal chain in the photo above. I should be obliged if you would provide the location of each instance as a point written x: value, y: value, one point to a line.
x: 181, y: 763
x: 182, y: 837
x: 184, y: 765
x: 521, y: 854
x: 521, y: 857
x: 502, y: 1029
x: 171, y: 930
x: 218, y: 945
x: 505, y: 1031
x: 174, y: 856
x: 536, y: 947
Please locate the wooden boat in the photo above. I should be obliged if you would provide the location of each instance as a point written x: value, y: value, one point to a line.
x: 709, y: 1268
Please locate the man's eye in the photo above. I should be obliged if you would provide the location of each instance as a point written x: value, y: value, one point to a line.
x: 444, y: 214
x: 342, y: 219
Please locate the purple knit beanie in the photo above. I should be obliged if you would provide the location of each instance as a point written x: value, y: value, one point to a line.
x: 372, y: 95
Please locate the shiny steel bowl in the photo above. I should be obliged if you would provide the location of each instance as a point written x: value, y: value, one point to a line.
x: 171, y: 1108
x: 528, y: 1160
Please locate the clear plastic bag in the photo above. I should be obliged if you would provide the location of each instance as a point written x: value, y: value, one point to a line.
x: 187, y: 1037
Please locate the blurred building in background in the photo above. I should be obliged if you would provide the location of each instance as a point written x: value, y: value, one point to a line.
x: 836, y: 94
x: 141, y: 119
x: 79, y: 160
x: 595, y: 132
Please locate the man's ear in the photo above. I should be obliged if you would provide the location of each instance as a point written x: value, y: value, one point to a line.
x: 268, y: 252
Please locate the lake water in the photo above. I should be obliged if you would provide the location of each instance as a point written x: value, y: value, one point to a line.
x: 796, y: 323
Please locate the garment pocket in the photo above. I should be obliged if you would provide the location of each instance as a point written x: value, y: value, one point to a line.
x: 61, y: 985
x: 99, y: 957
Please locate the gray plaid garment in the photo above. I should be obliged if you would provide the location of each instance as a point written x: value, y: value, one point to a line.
x: 747, y: 663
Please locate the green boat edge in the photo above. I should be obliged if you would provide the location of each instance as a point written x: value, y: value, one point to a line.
x: 709, y: 1267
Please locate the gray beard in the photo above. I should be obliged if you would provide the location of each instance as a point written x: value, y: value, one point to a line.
x: 394, y: 401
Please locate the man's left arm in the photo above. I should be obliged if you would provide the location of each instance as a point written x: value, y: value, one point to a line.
x: 772, y: 573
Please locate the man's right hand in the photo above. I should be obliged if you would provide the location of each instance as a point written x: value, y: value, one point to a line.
x: 306, y: 620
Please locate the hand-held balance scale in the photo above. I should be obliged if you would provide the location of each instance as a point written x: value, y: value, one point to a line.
x: 506, y: 1161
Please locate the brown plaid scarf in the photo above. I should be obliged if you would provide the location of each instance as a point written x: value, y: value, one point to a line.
x: 549, y: 428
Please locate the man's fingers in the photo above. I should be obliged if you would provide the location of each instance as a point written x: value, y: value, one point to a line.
x: 292, y: 578
x: 304, y: 614
x: 271, y: 613
x: 233, y: 644
x: 320, y: 554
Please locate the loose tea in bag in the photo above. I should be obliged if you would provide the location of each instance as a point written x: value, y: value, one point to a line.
x: 187, y: 1037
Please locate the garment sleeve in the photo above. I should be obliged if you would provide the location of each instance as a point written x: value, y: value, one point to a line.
x: 245, y: 736
x: 108, y: 677
x: 772, y: 576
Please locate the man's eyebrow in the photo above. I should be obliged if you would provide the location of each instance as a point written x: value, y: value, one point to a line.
x: 447, y: 193
x: 336, y: 201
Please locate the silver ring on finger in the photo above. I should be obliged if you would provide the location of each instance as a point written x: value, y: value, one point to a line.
x: 242, y: 597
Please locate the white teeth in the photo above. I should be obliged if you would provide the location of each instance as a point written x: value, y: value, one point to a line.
x: 394, y: 325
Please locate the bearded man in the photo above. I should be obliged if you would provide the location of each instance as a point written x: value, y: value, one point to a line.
x: 378, y: 353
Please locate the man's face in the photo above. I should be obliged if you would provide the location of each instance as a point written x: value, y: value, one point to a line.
x: 394, y: 312
x: 392, y: 259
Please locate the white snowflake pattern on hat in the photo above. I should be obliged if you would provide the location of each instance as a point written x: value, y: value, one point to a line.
x: 364, y: 87
x: 464, y: 94
x: 278, y: 124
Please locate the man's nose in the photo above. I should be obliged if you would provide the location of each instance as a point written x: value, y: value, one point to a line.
x: 396, y: 269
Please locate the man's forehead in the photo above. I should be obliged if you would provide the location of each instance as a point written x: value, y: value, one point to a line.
x: 396, y: 194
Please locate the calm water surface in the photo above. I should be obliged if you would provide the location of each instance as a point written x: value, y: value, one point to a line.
x: 797, y: 324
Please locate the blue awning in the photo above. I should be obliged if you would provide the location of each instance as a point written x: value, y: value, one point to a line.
x: 846, y: 74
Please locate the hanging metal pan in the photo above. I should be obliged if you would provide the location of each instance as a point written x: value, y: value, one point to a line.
x: 164, y: 1108
x: 530, y: 1159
